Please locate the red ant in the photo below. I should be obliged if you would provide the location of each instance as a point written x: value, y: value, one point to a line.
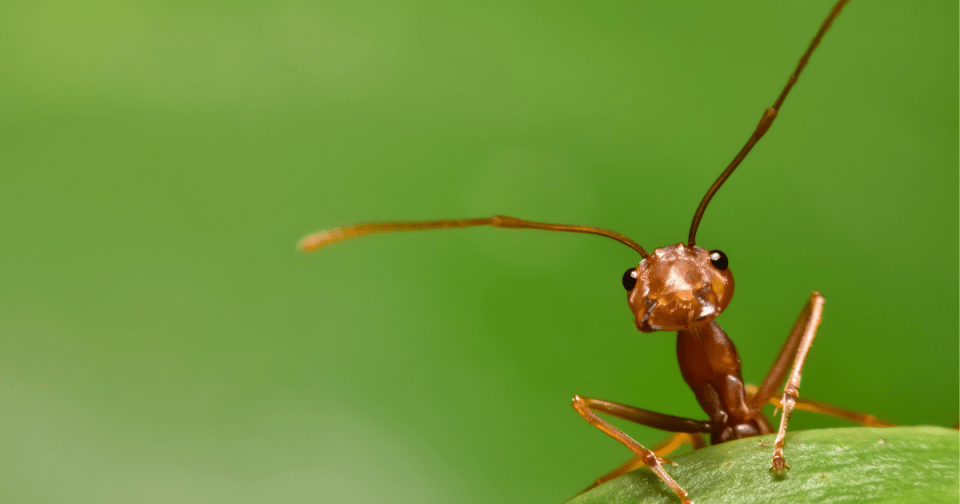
x: 682, y: 288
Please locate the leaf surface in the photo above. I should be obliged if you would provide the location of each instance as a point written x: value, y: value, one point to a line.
x: 851, y: 465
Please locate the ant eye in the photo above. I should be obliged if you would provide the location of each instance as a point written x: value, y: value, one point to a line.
x: 630, y: 279
x: 718, y: 260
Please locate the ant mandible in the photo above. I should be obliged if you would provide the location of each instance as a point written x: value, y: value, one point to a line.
x: 681, y: 288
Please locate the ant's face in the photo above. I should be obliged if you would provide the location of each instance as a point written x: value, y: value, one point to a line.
x: 678, y: 287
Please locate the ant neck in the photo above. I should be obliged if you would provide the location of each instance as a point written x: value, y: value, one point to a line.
x: 710, y: 365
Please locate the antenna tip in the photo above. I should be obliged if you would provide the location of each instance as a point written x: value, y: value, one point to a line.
x: 319, y: 239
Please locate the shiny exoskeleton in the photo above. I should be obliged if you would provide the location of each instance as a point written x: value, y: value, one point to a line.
x: 683, y: 289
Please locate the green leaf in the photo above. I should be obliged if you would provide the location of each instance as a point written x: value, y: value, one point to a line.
x: 853, y: 465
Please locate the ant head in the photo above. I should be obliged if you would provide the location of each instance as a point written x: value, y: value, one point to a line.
x: 678, y: 287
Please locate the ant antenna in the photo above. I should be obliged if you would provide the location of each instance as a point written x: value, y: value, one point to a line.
x: 765, y: 121
x: 329, y: 236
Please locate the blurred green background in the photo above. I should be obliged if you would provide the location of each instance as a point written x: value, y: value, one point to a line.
x: 162, y: 341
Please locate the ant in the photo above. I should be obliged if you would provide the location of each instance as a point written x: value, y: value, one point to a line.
x: 682, y: 288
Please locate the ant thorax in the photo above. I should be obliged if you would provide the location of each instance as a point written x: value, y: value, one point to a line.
x: 678, y: 287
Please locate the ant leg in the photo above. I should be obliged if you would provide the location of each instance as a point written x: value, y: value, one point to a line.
x: 664, y: 448
x: 778, y: 372
x: 829, y: 410
x: 586, y: 406
x: 800, y: 340
x: 798, y: 344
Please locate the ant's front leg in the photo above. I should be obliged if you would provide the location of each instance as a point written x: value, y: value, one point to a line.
x: 798, y: 344
x: 588, y: 407
x: 812, y: 312
x: 663, y: 449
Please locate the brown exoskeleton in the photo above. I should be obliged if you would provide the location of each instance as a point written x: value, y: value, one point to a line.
x: 681, y: 288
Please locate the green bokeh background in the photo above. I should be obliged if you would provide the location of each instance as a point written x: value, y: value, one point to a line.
x: 162, y: 341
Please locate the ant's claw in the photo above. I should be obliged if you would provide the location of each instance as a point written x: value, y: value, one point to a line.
x: 777, y: 465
